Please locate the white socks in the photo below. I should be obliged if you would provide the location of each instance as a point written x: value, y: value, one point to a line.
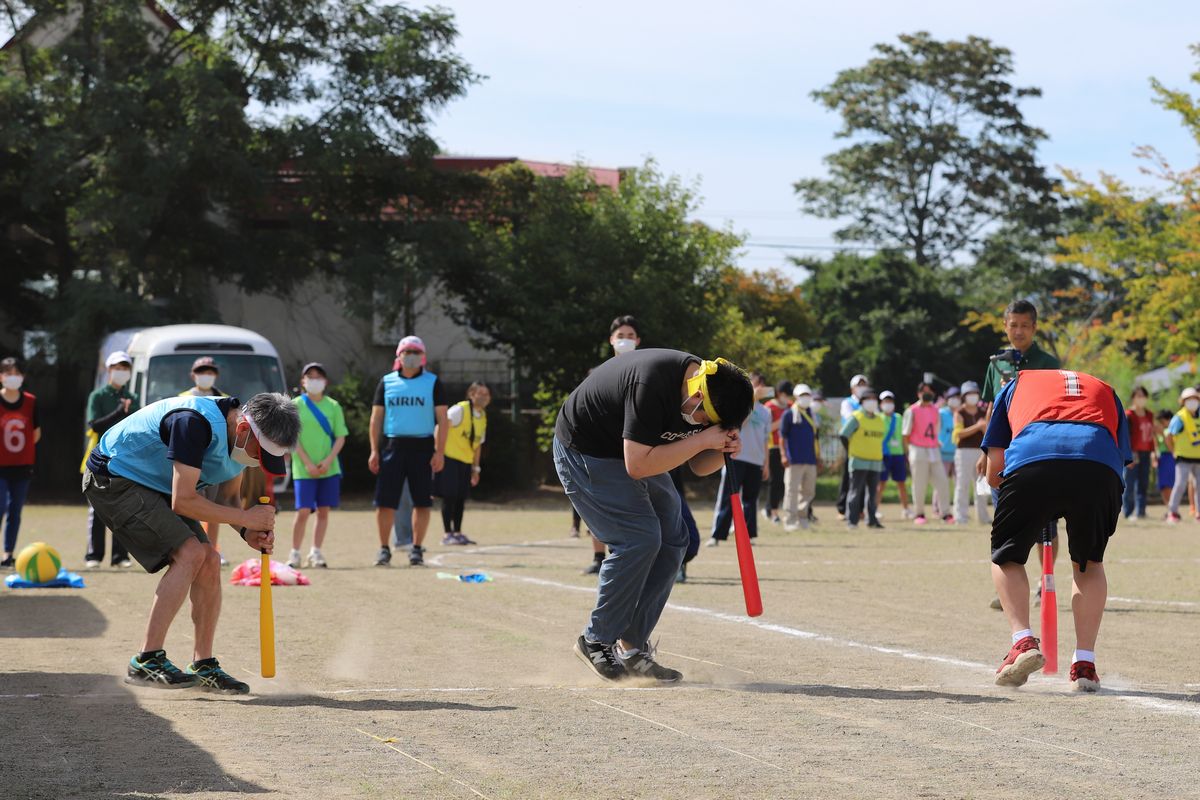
x: 1019, y: 635
x: 1084, y: 655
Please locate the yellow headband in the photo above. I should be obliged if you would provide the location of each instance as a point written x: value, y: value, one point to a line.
x: 699, y: 382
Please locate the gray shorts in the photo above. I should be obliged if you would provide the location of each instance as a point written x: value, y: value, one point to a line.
x: 140, y: 518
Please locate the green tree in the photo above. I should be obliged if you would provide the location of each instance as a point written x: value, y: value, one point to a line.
x: 892, y: 319
x: 253, y: 142
x: 940, y: 151
x: 553, y: 260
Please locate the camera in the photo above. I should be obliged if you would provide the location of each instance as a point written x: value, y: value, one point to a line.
x: 1011, y: 355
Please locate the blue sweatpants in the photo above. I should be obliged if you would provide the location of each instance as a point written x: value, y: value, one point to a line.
x: 12, y: 500
x: 641, y: 522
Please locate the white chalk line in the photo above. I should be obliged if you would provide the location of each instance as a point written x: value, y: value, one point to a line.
x: 425, y: 764
x: 1030, y: 739
x: 1157, y: 704
x: 1142, y: 602
x: 755, y: 759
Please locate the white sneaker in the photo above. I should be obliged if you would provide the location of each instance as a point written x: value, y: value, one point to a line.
x: 126, y: 564
x: 791, y: 527
x: 908, y: 513
x: 712, y: 542
x: 91, y: 563
x: 315, y: 559
x: 294, y: 559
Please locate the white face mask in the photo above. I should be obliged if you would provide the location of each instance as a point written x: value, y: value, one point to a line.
x: 240, y: 455
x: 13, y: 382
x: 690, y: 416
x: 857, y: 392
x: 804, y: 401
x: 870, y: 406
x: 954, y: 402
x: 1192, y: 405
x: 314, y: 385
x: 120, y: 377
x: 887, y: 408
x: 818, y: 404
x: 205, y: 380
x: 411, y: 360
x: 623, y: 346
x: 970, y: 399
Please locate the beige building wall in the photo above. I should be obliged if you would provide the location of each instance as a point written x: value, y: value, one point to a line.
x: 312, y: 325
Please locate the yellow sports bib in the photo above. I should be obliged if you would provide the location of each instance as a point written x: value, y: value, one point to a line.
x: 1187, y: 443
x: 467, y: 435
x: 867, y: 442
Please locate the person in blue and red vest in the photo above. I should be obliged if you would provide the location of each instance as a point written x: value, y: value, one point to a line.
x: 1056, y: 445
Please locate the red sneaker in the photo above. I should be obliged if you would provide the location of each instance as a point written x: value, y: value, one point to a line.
x: 1024, y: 659
x: 1084, y: 677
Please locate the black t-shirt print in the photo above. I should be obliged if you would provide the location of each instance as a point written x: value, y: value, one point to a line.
x: 635, y: 396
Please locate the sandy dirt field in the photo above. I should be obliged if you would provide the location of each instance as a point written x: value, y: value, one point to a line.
x: 869, y: 676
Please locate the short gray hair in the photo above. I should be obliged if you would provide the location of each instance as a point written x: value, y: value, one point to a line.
x: 276, y: 416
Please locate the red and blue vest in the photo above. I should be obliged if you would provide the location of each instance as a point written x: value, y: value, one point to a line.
x: 1059, y: 395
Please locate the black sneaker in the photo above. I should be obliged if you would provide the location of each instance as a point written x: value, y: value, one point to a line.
x: 214, y: 679
x: 416, y: 556
x: 384, y: 558
x: 593, y: 568
x: 876, y: 524
x: 158, y: 672
x: 601, y: 659
x: 8, y: 562
x: 642, y: 665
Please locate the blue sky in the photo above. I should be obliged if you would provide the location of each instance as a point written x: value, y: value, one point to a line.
x: 720, y: 94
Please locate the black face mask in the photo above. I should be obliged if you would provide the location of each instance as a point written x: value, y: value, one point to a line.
x: 927, y: 397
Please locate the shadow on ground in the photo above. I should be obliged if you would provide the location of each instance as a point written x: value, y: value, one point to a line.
x: 93, y: 740
x: 864, y: 693
x: 317, y: 701
x: 51, y: 616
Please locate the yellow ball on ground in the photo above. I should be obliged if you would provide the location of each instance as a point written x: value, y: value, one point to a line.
x: 38, y: 563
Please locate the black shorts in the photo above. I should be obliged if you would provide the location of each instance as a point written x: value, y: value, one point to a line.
x: 454, y: 481
x: 1086, y: 494
x: 405, y: 460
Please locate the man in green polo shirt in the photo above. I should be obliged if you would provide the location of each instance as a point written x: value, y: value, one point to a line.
x: 106, y: 406
x: 1020, y: 326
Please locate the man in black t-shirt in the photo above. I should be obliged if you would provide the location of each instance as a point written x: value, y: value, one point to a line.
x: 630, y: 422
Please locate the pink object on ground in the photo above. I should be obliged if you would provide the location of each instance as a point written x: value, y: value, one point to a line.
x: 248, y: 573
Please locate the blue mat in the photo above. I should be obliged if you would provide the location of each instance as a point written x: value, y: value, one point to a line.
x: 63, y: 580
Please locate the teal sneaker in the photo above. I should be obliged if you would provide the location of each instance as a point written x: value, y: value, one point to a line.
x: 158, y: 672
x: 214, y: 679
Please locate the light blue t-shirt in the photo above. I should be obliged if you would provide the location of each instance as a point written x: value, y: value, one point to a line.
x: 754, y: 436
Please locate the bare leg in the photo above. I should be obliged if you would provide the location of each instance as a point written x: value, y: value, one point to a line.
x: 420, y: 525
x: 902, y: 487
x: 213, y: 529
x: 173, y: 588
x: 206, y: 605
x: 322, y: 525
x: 1012, y: 585
x: 385, y: 518
x: 597, y: 545
x: 299, y: 526
x: 1089, y: 591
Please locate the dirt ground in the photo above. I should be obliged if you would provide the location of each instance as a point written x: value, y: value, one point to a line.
x: 869, y: 675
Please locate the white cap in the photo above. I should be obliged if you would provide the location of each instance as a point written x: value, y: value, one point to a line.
x: 263, y: 442
x: 969, y: 387
x: 887, y: 395
x: 801, y: 388
x: 117, y: 357
x: 857, y: 379
x: 1188, y: 394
